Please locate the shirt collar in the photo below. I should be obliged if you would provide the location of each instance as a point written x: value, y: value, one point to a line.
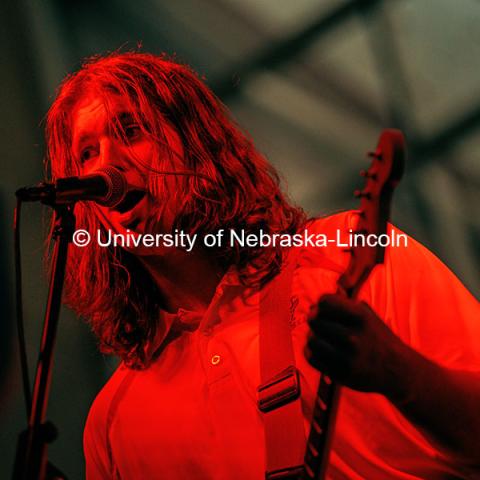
x: 186, y: 320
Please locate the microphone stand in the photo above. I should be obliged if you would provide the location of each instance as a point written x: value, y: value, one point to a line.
x: 31, y: 461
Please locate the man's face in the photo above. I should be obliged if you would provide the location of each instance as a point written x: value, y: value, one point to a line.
x: 127, y: 147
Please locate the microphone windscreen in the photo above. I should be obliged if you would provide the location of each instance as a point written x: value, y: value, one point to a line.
x: 117, y: 186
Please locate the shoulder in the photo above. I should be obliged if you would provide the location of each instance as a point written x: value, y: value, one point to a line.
x: 103, y: 401
x: 341, y: 219
x: 320, y: 249
x: 408, y: 268
x: 405, y: 258
x: 319, y: 261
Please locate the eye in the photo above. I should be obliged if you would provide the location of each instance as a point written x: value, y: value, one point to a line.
x: 132, y: 131
x: 87, y: 154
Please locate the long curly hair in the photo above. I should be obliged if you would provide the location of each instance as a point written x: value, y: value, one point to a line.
x: 236, y: 188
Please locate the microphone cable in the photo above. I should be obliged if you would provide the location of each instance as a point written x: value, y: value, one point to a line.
x: 19, y: 310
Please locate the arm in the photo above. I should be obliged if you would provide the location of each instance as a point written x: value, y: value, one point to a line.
x: 352, y: 344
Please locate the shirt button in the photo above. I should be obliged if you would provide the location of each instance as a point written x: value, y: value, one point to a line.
x: 215, y: 359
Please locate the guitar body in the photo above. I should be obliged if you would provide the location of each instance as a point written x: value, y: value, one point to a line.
x: 373, y: 214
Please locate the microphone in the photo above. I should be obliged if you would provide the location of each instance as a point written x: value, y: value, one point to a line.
x: 107, y: 186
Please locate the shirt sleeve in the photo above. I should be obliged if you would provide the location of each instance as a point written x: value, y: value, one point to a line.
x: 96, y: 445
x: 426, y: 305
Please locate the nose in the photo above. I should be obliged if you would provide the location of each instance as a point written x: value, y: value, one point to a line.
x: 110, y: 154
x: 113, y: 153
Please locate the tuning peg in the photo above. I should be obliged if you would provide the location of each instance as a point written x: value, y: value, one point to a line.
x: 367, y: 174
x: 376, y: 155
x: 362, y: 193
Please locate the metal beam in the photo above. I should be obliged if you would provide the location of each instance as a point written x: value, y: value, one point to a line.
x: 283, y: 50
x: 445, y: 139
x: 396, y: 91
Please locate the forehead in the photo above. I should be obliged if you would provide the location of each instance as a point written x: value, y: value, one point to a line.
x: 93, y: 113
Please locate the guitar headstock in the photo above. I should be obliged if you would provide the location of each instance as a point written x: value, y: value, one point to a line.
x: 382, y: 176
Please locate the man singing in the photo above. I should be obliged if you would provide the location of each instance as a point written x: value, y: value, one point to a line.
x: 185, y: 322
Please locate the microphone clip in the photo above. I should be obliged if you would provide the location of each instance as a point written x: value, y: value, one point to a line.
x: 44, y: 192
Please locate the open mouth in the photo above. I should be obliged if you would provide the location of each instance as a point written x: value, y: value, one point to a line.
x: 132, y: 198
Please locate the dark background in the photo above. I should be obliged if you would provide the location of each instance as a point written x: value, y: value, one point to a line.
x: 314, y: 82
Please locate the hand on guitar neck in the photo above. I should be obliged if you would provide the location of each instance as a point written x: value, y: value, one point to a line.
x: 350, y: 343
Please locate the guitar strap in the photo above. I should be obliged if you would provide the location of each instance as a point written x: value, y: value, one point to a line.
x: 279, y: 393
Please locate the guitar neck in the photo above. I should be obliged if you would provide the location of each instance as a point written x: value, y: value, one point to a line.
x: 381, y: 179
x: 322, y: 428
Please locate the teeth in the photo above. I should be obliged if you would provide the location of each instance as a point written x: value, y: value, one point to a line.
x: 131, y: 199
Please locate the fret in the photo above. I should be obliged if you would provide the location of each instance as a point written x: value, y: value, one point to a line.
x: 316, y: 427
x: 321, y: 404
x: 313, y: 450
x: 309, y: 472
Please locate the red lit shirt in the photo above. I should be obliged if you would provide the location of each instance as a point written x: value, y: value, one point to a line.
x: 193, y: 413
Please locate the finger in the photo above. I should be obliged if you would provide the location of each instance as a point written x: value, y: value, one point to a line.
x: 339, y: 309
x: 324, y: 357
x: 335, y: 334
x: 367, y: 308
